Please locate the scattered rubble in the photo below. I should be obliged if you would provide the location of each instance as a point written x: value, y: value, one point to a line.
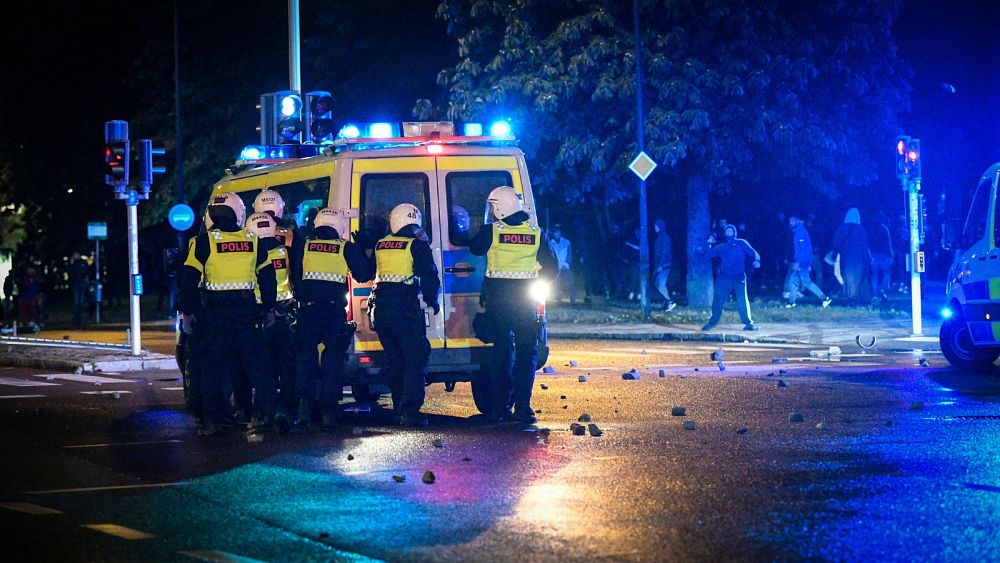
x: 743, y: 430
x: 544, y: 386
x: 563, y: 397
x: 399, y: 478
x: 428, y: 477
x: 796, y: 417
x: 631, y: 375
x: 781, y: 383
x: 438, y: 443
x: 718, y: 355
x: 644, y: 352
x: 722, y: 366
x: 821, y: 426
x: 923, y: 363
x: 582, y: 379
x: 548, y: 369
x: 577, y: 429
x: 690, y: 425
x: 678, y: 411
x: 663, y: 373
x: 584, y: 418
x: 350, y: 457
x: 466, y: 458
x: 594, y: 430
x: 573, y: 363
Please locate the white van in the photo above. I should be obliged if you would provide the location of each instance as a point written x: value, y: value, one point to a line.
x: 369, y: 170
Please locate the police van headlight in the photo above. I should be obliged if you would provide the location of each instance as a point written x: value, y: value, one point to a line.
x: 540, y: 290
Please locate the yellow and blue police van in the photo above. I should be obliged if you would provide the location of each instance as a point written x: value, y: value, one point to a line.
x: 369, y: 169
x: 970, y: 328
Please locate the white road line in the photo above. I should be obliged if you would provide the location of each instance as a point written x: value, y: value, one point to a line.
x: 125, y: 444
x: 108, y: 488
x: 172, y: 388
x: 119, y: 531
x: 15, y: 382
x: 218, y: 557
x: 28, y: 508
x: 83, y: 378
x: 22, y: 396
x: 104, y: 392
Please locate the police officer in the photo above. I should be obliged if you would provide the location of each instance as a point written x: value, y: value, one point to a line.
x: 278, y: 336
x: 404, y: 266
x: 511, y: 246
x: 230, y: 263
x: 271, y: 202
x: 320, y: 273
x: 193, y: 341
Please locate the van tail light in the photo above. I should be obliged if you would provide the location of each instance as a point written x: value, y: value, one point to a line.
x: 364, y: 359
x: 350, y: 301
x: 540, y: 309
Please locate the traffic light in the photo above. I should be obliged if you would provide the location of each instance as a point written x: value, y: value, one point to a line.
x: 147, y: 167
x: 319, y: 116
x: 907, y: 158
x: 116, y: 154
x: 280, y: 118
x: 902, y: 144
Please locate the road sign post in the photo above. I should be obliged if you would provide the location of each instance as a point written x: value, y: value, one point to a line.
x: 97, y: 232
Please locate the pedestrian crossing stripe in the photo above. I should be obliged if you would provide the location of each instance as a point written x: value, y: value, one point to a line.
x: 172, y: 388
x: 22, y: 396
x: 119, y: 531
x: 83, y: 378
x: 28, y: 508
x: 104, y: 392
x: 15, y: 382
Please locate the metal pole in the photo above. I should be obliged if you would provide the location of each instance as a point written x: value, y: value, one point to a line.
x: 294, y: 74
x: 97, y: 280
x: 643, y: 219
x: 133, y: 260
x: 914, y: 189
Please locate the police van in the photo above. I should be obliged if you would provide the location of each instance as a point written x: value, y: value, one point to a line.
x: 970, y: 331
x: 368, y: 170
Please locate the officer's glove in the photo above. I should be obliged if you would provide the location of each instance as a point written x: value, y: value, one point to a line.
x: 435, y: 306
x: 187, y: 324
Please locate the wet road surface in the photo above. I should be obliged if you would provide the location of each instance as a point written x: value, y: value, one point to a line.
x: 891, y: 460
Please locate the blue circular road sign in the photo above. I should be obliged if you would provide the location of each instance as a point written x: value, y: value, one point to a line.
x: 181, y: 217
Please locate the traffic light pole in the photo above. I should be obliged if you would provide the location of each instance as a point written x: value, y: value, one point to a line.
x: 133, y: 259
x: 643, y: 217
x: 913, y: 189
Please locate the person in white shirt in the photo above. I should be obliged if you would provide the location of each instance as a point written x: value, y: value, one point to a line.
x: 562, y: 251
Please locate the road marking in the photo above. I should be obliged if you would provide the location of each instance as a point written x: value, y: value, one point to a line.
x: 15, y: 382
x: 22, y: 396
x: 83, y: 378
x: 172, y: 388
x: 119, y: 531
x: 28, y: 508
x: 125, y: 444
x: 104, y: 392
x: 108, y: 488
x: 218, y: 557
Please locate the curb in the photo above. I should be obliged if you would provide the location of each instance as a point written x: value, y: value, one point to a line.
x: 730, y: 337
x: 138, y: 364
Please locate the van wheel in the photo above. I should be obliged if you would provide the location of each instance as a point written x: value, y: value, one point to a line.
x: 482, y: 389
x: 958, y: 348
x: 363, y: 393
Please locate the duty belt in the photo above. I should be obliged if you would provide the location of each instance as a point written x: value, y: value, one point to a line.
x: 511, y: 275
x: 395, y: 278
x: 324, y: 276
x: 230, y: 286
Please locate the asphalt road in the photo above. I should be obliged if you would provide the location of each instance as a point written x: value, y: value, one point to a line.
x: 891, y: 461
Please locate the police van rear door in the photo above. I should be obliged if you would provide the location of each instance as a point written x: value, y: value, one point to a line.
x: 466, y: 181
x: 378, y: 185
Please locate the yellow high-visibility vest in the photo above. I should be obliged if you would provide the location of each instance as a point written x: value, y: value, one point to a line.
x: 279, y: 259
x: 323, y: 260
x: 513, y: 252
x: 393, y: 260
x: 232, y: 261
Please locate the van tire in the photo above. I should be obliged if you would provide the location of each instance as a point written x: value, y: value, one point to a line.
x: 959, y: 350
x: 482, y: 389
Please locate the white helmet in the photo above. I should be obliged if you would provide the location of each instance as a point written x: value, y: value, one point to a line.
x: 404, y: 214
x: 269, y: 200
x: 330, y: 217
x: 233, y: 202
x: 504, y: 201
x: 261, y: 224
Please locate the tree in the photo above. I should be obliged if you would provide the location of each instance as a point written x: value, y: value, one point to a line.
x: 739, y: 92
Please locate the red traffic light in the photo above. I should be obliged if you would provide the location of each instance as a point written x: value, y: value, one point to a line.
x: 901, y: 147
x: 912, y: 155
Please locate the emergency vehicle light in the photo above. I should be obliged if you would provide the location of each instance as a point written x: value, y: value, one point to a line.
x: 500, y: 129
x: 290, y: 104
x: 472, y: 129
x: 381, y: 131
x: 428, y: 128
x: 349, y: 131
x: 252, y: 152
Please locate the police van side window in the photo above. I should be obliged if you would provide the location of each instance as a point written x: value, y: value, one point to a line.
x: 467, y: 193
x: 381, y: 192
x: 975, y: 225
x: 303, y: 199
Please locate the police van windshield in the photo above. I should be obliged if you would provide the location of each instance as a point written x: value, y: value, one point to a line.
x: 302, y: 199
x: 467, y: 209
x: 381, y: 192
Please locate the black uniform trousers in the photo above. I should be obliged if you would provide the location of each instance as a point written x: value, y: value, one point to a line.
x: 231, y: 342
x: 724, y: 285
x: 515, y: 349
x: 403, y: 335
x: 320, y: 323
x: 194, y: 354
x: 281, y: 350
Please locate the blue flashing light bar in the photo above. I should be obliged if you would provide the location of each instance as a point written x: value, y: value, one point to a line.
x: 472, y: 129
x: 500, y: 128
x: 380, y: 130
x: 349, y: 131
x: 252, y: 152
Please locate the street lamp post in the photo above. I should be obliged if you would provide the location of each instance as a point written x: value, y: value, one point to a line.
x: 640, y: 137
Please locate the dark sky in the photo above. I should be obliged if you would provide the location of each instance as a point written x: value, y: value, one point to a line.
x: 64, y: 64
